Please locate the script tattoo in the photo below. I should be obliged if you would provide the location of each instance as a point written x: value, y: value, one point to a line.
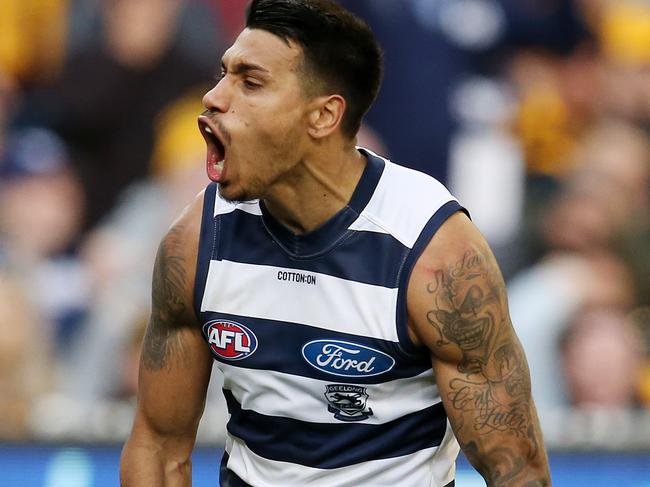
x: 169, y: 281
x: 491, y: 394
x: 493, y: 399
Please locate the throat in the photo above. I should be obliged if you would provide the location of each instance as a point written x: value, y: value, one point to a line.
x: 316, y: 192
x: 300, y: 219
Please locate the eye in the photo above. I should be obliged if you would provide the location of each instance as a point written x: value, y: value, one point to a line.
x: 250, y: 84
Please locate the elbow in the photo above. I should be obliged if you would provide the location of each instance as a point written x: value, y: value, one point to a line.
x: 180, y: 467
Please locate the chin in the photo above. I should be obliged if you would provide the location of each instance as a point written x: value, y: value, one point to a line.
x: 235, y: 195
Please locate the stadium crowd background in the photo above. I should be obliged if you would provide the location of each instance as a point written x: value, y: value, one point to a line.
x: 536, y: 113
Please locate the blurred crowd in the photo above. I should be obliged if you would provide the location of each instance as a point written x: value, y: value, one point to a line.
x: 536, y: 113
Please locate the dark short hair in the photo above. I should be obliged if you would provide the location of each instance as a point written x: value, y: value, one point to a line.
x: 339, y: 49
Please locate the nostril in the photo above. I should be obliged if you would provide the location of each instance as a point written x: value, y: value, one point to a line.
x: 213, y: 99
x: 216, y: 101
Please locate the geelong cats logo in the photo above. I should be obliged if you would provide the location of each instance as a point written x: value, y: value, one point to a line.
x: 347, y: 402
x: 229, y: 340
x: 346, y: 359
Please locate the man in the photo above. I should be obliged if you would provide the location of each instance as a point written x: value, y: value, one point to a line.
x: 355, y: 311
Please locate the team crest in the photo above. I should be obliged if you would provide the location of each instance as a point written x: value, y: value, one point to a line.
x: 347, y: 402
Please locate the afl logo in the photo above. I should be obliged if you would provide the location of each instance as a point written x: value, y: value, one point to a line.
x: 346, y: 359
x: 229, y: 340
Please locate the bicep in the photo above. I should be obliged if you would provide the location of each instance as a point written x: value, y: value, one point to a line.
x: 458, y: 309
x: 175, y: 363
x: 174, y: 375
x: 479, y: 364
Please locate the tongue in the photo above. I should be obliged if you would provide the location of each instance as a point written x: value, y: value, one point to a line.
x: 215, y: 170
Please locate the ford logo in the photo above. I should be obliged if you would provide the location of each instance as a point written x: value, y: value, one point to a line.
x: 346, y: 359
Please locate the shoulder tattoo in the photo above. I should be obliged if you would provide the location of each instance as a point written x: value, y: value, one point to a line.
x: 168, y: 307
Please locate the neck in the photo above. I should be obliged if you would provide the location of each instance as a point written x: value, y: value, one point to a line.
x: 316, y: 189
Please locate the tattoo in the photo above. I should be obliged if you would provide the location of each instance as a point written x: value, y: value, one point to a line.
x: 492, y: 393
x: 509, y: 464
x: 489, y: 413
x: 168, y: 306
x: 464, y: 312
x: 510, y: 364
x: 504, y: 464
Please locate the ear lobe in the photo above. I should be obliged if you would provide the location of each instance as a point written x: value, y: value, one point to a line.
x: 326, y: 116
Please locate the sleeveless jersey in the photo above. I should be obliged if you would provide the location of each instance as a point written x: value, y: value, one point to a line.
x: 323, y: 385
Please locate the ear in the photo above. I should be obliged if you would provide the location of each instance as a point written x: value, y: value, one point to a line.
x: 326, y: 115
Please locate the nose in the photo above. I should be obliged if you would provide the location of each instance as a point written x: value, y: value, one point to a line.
x: 216, y: 99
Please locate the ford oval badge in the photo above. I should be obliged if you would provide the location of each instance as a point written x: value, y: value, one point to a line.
x: 346, y: 359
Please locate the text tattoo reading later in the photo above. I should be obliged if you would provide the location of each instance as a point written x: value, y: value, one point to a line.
x: 469, y: 303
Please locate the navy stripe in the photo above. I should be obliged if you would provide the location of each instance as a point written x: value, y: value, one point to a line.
x: 280, y: 345
x: 368, y: 183
x: 432, y: 226
x: 327, y: 446
x: 206, y: 244
x: 367, y: 257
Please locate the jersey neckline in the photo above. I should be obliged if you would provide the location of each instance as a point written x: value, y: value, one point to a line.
x: 334, y: 230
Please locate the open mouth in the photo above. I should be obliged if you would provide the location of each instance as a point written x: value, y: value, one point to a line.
x: 216, y: 157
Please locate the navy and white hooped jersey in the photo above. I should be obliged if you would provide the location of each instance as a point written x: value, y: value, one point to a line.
x: 323, y: 385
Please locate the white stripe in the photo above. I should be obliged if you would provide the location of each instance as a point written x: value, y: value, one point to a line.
x: 332, y: 303
x: 444, y: 464
x: 221, y: 206
x: 278, y: 394
x: 408, y: 470
x: 363, y: 224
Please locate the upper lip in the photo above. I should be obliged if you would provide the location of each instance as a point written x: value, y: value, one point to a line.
x: 205, y: 121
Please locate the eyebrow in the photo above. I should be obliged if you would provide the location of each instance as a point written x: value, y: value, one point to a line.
x: 242, y: 68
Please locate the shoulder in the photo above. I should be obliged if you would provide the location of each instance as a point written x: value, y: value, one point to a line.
x: 175, y: 267
x: 456, y: 236
x: 406, y: 201
x: 456, y: 263
x: 183, y: 235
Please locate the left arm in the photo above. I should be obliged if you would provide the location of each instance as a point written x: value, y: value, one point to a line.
x: 458, y: 308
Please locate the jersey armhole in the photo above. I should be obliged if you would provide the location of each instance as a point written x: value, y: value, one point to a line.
x: 432, y: 226
x: 207, y: 239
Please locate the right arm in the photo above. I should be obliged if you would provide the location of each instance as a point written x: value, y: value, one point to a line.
x: 174, y: 368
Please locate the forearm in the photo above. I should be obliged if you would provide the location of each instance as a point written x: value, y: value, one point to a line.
x: 496, y: 423
x: 508, y: 459
x: 148, y: 465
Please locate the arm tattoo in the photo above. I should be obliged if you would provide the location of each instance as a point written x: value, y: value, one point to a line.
x: 168, y: 306
x: 492, y: 392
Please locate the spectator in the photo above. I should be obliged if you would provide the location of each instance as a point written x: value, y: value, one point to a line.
x: 114, y: 83
x: 120, y: 251
x: 41, y: 208
x: 580, y: 267
x: 602, y: 355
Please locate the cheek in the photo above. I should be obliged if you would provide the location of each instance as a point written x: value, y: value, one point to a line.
x: 274, y: 137
x: 277, y: 117
x: 266, y: 138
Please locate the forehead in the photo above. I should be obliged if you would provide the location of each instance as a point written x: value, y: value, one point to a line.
x: 261, y: 48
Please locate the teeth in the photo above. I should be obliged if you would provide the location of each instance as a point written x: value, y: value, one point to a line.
x: 208, y: 130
